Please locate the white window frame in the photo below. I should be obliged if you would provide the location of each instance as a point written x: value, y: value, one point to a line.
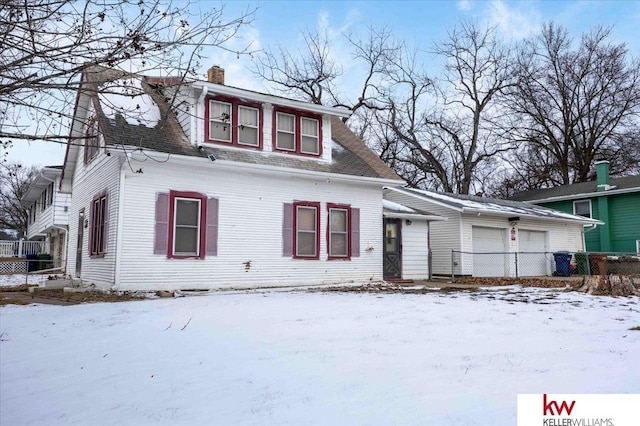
x: 175, y: 226
x: 220, y: 121
x: 638, y: 247
x: 257, y: 126
x: 346, y: 232
x: 316, y: 136
x: 278, y: 130
x: 315, y: 232
x: 590, y: 208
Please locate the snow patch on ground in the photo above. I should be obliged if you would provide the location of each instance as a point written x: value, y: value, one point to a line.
x: 450, y: 358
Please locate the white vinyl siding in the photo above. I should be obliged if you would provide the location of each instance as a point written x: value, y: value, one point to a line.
x: 249, y: 229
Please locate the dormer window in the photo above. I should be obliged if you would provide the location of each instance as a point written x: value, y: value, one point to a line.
x: 297, y: 133
x: 248, y: 126
x: 220, y: 121
x: 91, y: 140
x: 232, y: 122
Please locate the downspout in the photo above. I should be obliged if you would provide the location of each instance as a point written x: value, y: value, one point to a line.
x: 119, y: 230
x: 586, y: 229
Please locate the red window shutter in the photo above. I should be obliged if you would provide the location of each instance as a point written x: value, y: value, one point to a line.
x: 162, y: 224
x: 212, y: 227
x: 105, y: 235
x: 355, y: 232
x: 287, y: 230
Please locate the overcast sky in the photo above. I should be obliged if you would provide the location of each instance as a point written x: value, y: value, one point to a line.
x: 420, y: 23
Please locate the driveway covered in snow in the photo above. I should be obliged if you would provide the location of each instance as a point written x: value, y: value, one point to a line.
x: 455, y: 358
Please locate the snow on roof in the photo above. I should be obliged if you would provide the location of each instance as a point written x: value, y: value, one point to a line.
x: 126, y: 96
x: 395, y: 207
x: 472, y: 203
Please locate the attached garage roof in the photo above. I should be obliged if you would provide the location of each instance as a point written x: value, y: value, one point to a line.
x: 492, y: 206
x: 396, y: 210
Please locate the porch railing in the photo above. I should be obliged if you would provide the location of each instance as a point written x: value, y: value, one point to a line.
x: 20, y: 248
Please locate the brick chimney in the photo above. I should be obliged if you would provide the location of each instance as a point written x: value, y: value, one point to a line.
x: 602, y: 175
x: 215, y: 74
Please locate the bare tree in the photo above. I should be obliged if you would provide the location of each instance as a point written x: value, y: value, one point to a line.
x: 47, y: 44
x: 312, y: 73
x: 572, y: 105
x: 14, y: 182
x: 448, y: 124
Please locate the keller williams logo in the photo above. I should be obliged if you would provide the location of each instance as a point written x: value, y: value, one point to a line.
x: 548, y: 407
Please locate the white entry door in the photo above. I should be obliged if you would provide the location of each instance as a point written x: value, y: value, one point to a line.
x: 489, y: 246
x: 532, y: 262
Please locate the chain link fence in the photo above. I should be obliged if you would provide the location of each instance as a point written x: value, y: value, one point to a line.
x: 542, y: 264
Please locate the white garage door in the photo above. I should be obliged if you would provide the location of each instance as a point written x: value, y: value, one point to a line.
x: 532, y: 260
x: 492, y: 242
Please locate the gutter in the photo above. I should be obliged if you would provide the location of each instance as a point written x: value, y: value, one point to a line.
x: 234, y: 165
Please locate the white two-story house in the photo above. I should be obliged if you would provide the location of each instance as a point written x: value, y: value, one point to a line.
x: 220, y: 187
x: 48, y: 211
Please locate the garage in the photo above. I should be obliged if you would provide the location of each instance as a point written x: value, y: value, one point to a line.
x: 532, y: 261
x: 492, y: 242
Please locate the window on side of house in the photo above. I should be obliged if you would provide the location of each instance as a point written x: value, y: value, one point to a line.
x: 285, y: 131
x: 220, y: 121
x: 248, y: 126
x: 91, y: 140
x: 309, y: 136
x: 43, y: 201
x: 98, y: 225
x: 582, y: 208
x: 186, y: 225
x: 297, y: 133
x: 306, y: 225
x: 339, y: 231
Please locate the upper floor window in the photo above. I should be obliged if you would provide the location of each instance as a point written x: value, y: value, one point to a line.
x: 294, y: 132
x: 43, y: 200
x: 234, y: 123
x: 91, y: 140
x: 50, y: 194
x: 582, y: 208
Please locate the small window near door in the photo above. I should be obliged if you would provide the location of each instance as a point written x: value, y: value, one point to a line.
x: 582, y: 208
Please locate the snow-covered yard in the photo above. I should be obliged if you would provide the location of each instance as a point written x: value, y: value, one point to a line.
x: 297, y: 358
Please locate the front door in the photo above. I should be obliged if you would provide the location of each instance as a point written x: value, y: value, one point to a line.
x: 79, y: 246
x: 392, y: 262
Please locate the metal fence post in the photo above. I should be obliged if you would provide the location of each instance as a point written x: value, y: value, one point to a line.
x: 452, y: 266
x: 430, y: 264
x: 516, y: 258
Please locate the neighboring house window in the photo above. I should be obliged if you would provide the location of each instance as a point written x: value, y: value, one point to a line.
x: 91, y: 140
x: 339, y: 223
x: 297, y: 133
x: 186, y: 225
x: 582, y: 208
x: 232, y: 122
x: 43, y: 201
x: 306, y: 225
x: 50, y: 194
x: 98, y: 225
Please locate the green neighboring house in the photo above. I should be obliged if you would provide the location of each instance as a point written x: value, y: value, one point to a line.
x: 615, y: 201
